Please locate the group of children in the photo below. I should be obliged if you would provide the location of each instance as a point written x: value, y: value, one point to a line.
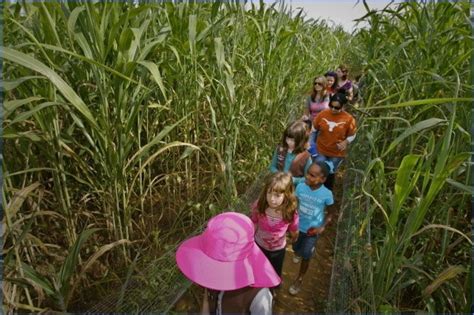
x: 238, y: 259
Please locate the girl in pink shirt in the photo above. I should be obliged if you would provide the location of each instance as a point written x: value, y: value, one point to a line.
x: 274, y: 213
x: 316, y: 103
x: 319, y: 98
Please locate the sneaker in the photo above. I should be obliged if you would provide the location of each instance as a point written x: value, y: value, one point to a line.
x: 295, y: 288
x: 296, y: 259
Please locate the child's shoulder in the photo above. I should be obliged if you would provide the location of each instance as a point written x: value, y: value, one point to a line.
x: 325, y: 191
x: 301, y: 185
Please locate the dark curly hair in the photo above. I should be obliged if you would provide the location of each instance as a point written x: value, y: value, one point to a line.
x: 339, y: 97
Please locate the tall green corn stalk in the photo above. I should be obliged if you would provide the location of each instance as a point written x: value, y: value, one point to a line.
x: 416, y: 60
x: 137, y: 118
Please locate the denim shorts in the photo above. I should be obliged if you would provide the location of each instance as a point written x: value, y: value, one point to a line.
x: 313, y: 149
x: 304, y: 245
x: 336, y: 161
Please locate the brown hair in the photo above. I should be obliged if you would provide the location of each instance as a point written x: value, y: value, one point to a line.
x: 345, y: 70
x: 297, y: 131
x: 281, y: 183
x: 323, y: 91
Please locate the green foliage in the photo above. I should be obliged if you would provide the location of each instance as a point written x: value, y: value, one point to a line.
x: 130, y: 114
x: 416, y: 62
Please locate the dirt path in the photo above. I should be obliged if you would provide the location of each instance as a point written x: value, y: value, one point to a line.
x: 314, y: 292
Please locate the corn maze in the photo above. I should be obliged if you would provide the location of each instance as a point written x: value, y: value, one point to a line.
x: 127, y: 125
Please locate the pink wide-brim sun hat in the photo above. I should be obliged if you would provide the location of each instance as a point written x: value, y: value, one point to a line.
x: 225, y: 256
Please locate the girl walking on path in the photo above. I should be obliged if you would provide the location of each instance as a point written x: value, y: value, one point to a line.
x: 227, y: 262
x: 343, y: 84
x: 274, y: 214
x: 336, y: 129
x: 316, y: 103
x: 318, y: 100
x: 331, y: 78
x: 291, y: 155
x: 313, y: 198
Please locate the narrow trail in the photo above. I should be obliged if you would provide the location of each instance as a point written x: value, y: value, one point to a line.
x: 314, y: 292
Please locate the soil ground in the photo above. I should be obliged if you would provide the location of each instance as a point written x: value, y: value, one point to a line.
x: 314, y: 292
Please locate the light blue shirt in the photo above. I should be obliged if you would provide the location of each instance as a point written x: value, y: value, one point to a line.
x: 286, y: 167
x: 311, y: 205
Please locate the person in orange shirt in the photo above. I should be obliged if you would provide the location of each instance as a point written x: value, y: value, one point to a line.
x: 336, y: 129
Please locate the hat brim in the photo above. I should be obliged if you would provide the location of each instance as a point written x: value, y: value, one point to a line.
x: 255, y: 270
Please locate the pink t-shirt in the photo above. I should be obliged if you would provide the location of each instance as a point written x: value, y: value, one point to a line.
x: 270, y: 229
x: 315, y: 108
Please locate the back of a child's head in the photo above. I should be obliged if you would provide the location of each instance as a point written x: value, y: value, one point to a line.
x: 280, y: 183
x: 297, y: 131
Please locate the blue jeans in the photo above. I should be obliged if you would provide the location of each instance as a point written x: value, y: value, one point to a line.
x: 304, y: 245
x: 313, y: 149
x: 335, y: 161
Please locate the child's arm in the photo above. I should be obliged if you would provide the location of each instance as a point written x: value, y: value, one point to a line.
x: 315, y: 230
x: 294, y: 236
x: 330, y: 210
x: 274, y: 164
x: 293, y: 227
x: 330, y: 213
x: 254, y: 212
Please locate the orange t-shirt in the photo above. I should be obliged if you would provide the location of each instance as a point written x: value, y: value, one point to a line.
x: 333, y: 128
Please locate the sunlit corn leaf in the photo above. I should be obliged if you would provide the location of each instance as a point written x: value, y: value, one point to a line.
x: 446, y: 275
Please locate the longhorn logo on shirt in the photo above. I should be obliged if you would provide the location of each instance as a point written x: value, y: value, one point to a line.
x: 333, y: 124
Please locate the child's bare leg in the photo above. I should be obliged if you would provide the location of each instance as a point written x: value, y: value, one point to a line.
x: 296, y: 286
x: 303, y: 268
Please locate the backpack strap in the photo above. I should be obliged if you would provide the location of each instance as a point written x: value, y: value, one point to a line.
x: 281, y: 156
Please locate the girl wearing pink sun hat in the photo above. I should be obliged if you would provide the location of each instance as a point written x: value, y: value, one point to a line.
x: 226, y: 260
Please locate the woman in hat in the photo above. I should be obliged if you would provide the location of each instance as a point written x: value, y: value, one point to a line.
x: 227, y: 262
